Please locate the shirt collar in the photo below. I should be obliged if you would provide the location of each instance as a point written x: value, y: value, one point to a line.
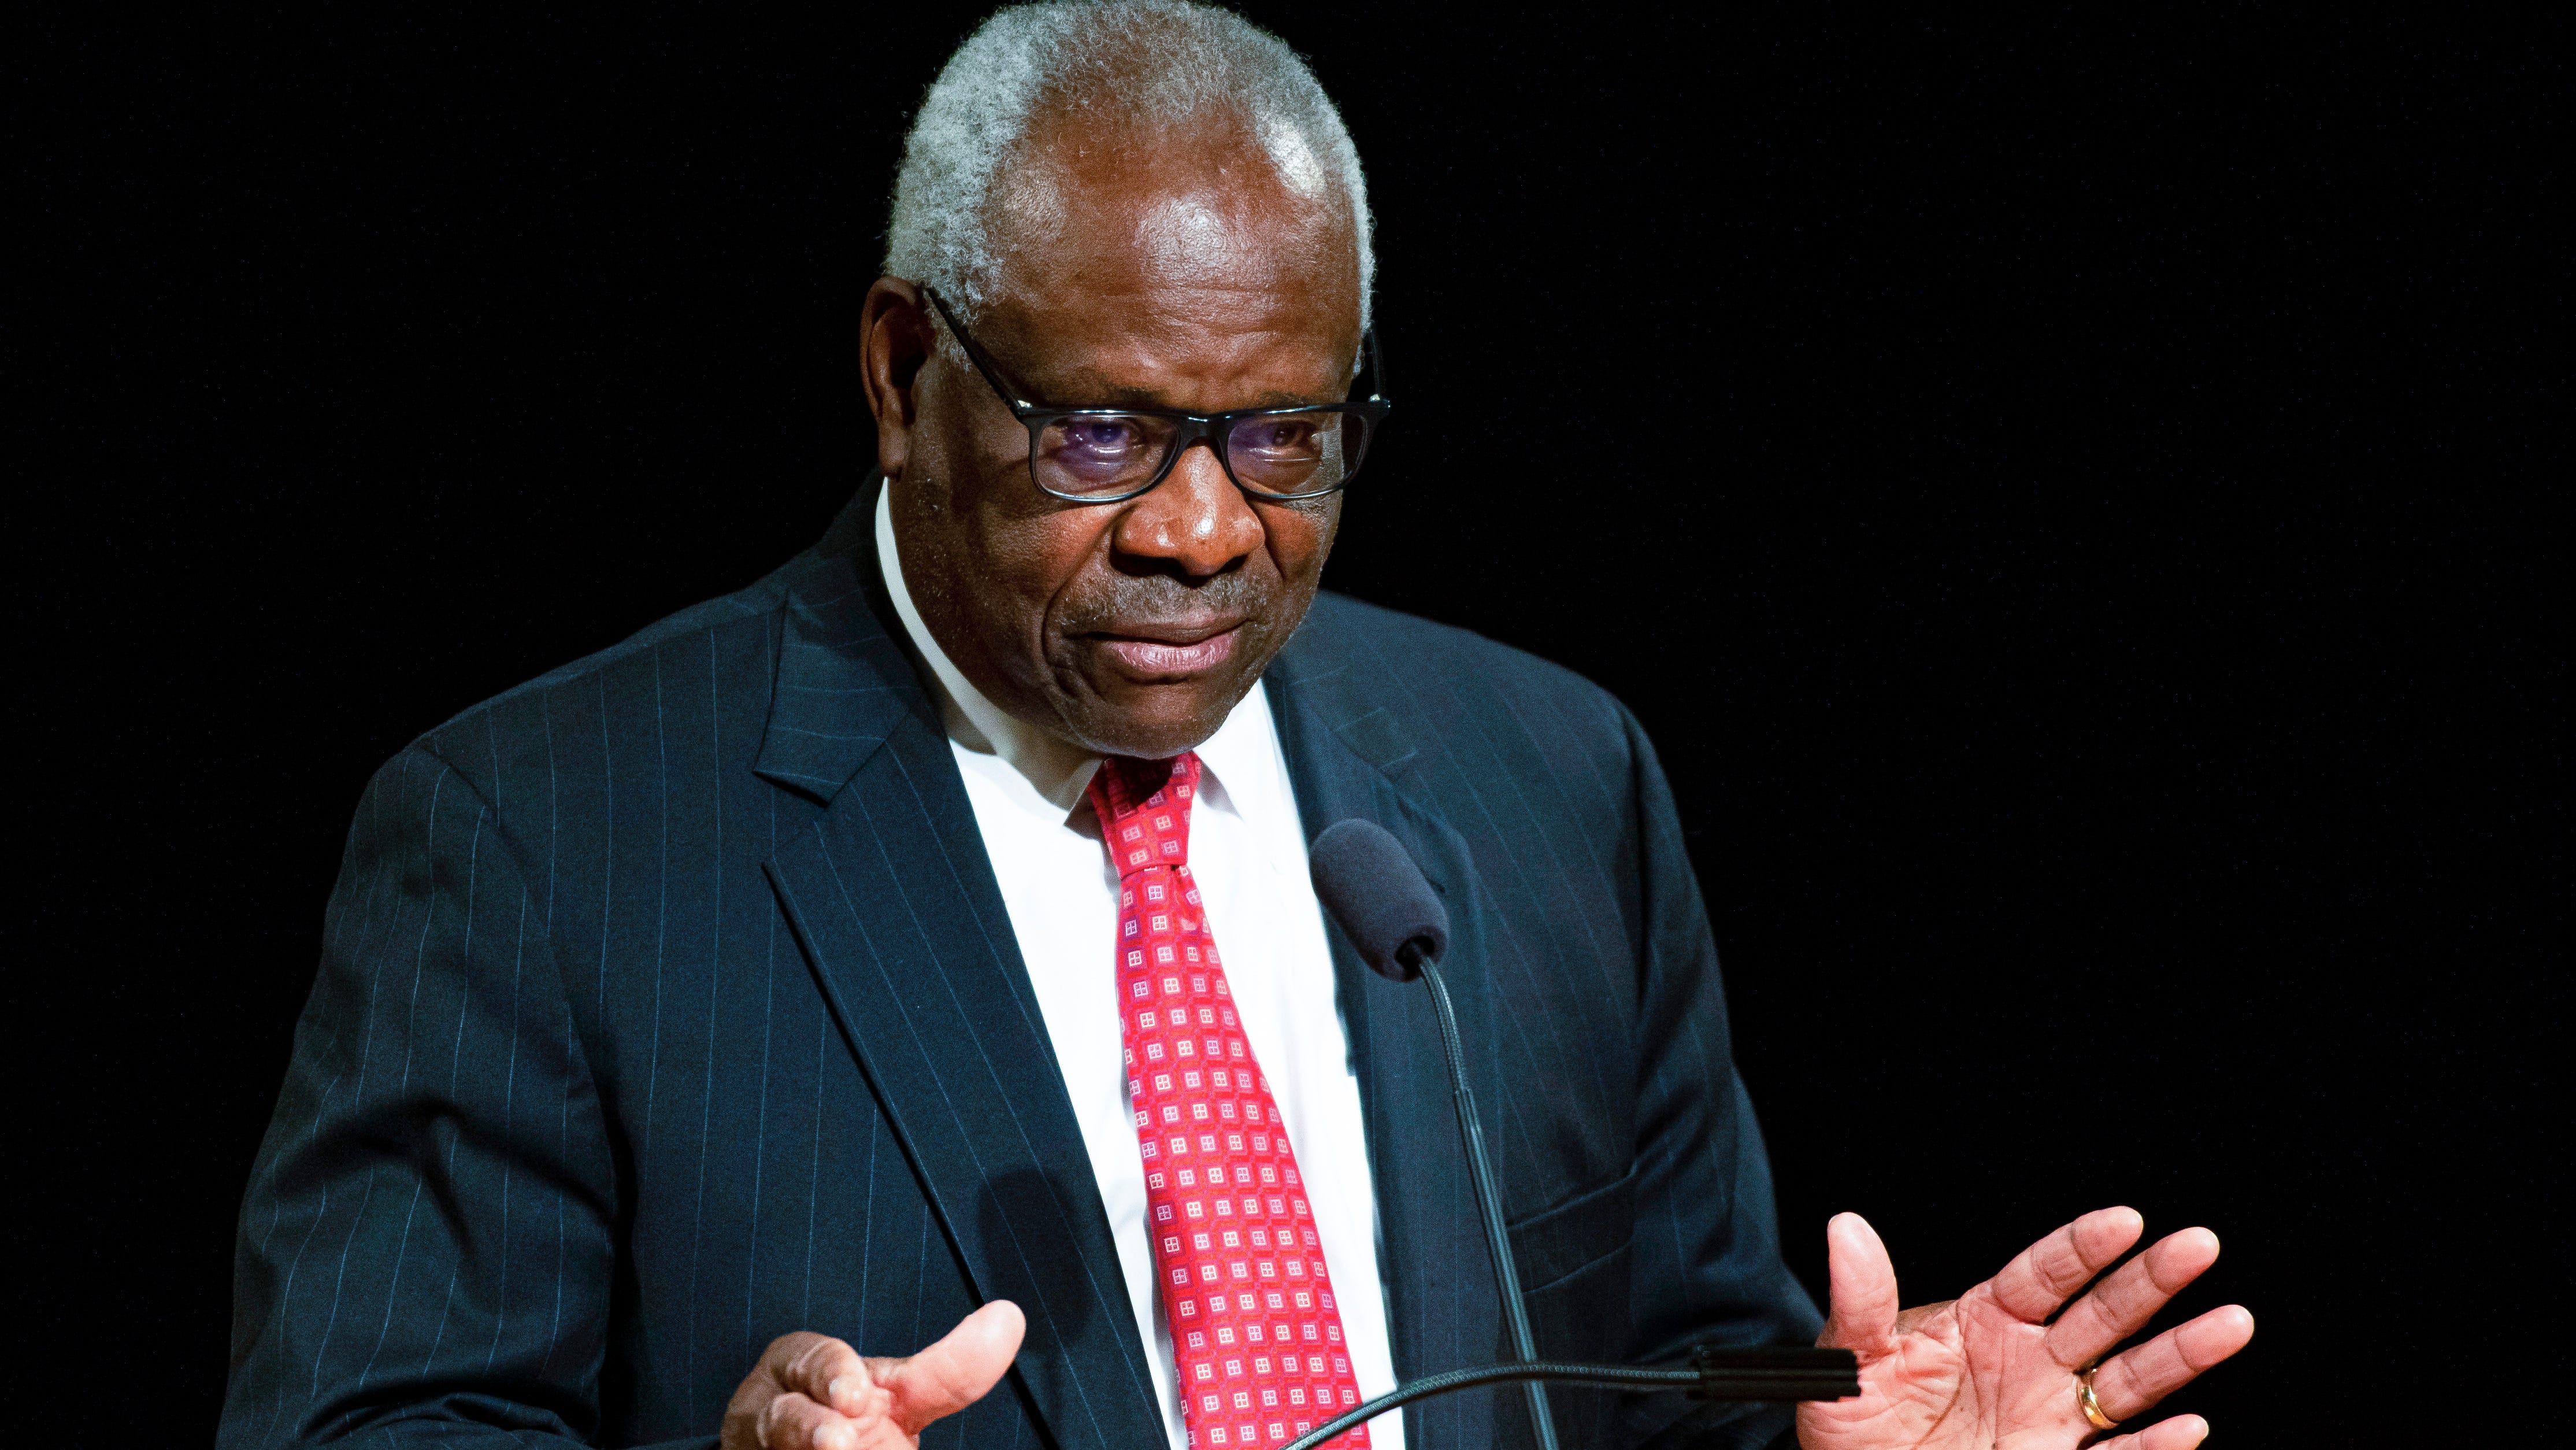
x: 1058, y: 772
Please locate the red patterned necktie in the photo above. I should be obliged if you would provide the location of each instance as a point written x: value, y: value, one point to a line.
x: 1254, y: 1327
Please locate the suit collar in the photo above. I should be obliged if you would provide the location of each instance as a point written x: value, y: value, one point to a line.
x: 845, y: 680
x: 1321, y: 671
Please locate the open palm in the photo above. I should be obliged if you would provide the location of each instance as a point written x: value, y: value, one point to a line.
x: 1989, y: 1369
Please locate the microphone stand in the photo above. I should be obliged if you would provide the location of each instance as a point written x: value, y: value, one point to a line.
x: 1371, y: 886
x: 1489, y: 1201
x: 1712, y: 1374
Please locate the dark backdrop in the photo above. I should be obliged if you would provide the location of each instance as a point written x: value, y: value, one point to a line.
x: 2061, y: 493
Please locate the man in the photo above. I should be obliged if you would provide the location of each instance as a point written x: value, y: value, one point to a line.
x: 707, y: 1024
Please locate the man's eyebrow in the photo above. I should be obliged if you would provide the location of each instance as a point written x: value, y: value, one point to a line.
x: 1092, y: 393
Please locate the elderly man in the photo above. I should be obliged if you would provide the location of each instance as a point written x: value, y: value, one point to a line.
x: 916, y: 947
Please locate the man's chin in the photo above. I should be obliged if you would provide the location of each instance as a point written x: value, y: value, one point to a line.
x: 1156, y: 722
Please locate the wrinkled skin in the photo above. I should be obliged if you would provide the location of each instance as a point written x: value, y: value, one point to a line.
x: 1988, y: 1370
x: 1175, y: 275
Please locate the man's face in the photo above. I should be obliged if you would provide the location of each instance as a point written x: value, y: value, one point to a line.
x: 1170, y: 272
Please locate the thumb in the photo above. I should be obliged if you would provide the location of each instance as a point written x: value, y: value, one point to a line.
x: 955, y: 1372
x: 1863, y: 1288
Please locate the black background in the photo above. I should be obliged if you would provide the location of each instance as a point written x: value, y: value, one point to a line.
x: 2064, y: 494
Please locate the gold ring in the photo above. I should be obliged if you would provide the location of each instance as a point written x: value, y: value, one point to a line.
x: 2091, y: 1407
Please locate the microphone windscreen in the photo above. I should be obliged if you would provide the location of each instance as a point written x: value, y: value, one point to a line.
x: 1367, y: 880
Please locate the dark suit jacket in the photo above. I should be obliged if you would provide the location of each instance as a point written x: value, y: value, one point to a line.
x: 668, y: 1004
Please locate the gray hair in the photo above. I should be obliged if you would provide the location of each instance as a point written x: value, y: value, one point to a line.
x: 1152, y: 61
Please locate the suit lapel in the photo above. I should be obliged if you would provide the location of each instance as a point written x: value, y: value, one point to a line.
x: 892, y: 897
x: 1348, y: 758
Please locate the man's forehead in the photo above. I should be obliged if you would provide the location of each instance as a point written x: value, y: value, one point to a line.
x: 1200, y: 241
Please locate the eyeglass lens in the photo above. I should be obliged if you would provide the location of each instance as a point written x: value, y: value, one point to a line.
x: 1102, y: 454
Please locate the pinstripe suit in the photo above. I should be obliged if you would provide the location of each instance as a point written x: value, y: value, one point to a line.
x: 668, y: 1003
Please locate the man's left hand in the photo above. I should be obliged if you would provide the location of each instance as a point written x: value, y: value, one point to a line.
x: 1990, y: 1369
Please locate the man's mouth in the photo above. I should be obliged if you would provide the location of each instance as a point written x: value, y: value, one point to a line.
x: 1165, y: 652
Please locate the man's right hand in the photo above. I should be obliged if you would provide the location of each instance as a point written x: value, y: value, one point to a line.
x: 810, y: 1392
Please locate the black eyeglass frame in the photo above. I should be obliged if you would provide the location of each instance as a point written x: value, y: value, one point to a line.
x: 1193, y: 428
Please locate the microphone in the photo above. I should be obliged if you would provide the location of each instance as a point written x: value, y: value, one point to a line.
x: 1371, y: 886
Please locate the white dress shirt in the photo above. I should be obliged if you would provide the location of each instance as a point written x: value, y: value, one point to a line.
x: 1248, y: 855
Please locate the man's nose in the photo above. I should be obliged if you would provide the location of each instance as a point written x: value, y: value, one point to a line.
x: 1196, y: 518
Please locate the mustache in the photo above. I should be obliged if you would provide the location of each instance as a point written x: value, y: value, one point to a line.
x: 1132, y: 599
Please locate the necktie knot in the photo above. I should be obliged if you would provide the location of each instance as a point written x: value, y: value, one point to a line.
x: 1144, y: 809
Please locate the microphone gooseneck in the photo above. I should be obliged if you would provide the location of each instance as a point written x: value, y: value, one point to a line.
x: 1372, y: 887
x: 1712, y: 1374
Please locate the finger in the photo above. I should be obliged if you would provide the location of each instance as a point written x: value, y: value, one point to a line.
x: 2122, y: 1304
x: 1861, y: 1288
x: 794, y: 1422
x: 2042, y: 1276
x: 2132, y: 1382
x: 2182, y: 1432
x: 828, y: 1372
x: 955, y: 1372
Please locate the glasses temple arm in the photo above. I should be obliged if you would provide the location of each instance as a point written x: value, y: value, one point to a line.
x: 975, y: 354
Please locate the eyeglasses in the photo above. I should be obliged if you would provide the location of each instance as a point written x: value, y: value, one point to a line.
x: 1110, y: 455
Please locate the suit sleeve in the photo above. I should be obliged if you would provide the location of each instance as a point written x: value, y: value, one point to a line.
x: 426, y: 1249
x: 1707, y: 1248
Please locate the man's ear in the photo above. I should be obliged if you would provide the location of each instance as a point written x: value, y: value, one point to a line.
x: 894, y: 341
